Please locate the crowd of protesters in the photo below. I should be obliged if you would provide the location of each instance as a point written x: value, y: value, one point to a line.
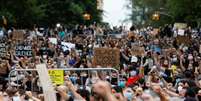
x: 168, y: 70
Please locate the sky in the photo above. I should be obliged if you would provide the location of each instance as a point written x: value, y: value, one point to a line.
x: 115, y: 11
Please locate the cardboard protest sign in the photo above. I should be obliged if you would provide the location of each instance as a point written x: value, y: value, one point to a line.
x: 57, y: 76
x: 3, y: 49
x: 106, y: 57
x: 3, y: 68
x: 48, y: 89
x: 23, y: 50
x: 169, y: 51
x: 18, y: 35
x: 137, y: 51
x: 183, y: 40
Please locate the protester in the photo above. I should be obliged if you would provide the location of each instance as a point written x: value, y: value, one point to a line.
x: 166, y: 67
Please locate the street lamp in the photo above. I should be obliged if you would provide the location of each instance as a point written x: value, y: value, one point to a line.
x: 156, y: 16
x: 87, y: 16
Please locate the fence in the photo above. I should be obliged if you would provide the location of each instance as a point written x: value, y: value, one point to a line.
x: 110, y: 70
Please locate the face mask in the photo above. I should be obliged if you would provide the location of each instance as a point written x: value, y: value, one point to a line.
x: 121, y: 84
x: 174, y: 60
x: 180, y: 88
x: 81, y: 66
x: 73, y: 79
x: 44, y: 56
x: 16, y: 98
x: 128, y: 95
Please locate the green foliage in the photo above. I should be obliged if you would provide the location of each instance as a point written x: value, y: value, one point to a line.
x: 185, y: 10
x: 142, y: 10
x: 177, y: 10
x: 8, y: 16
x: 26, y: 13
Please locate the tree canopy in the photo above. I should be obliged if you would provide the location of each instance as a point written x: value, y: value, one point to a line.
x: 170, y: 11
x: 27, y: 13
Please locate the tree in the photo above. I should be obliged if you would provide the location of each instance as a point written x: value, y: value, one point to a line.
x: 185, y: 10
x: 142, y: 10
x: 26, y: 13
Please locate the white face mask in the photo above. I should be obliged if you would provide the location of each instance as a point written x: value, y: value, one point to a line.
x: 16, y: 98
x: 174, y: 59
x: 81, y: 66
x: 44, y: 56
x: 128, y: 95
x: 180, y: 88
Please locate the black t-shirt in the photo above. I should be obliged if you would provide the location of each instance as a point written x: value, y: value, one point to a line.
x: 29, y: 85
x: 50, y: 53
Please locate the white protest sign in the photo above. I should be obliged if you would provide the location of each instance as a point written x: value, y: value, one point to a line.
x: 67, y: 46
x: 53, y: 40
x: 181, y: 32
x: 48, y: 90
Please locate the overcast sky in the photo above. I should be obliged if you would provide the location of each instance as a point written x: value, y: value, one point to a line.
x: 115, y: 11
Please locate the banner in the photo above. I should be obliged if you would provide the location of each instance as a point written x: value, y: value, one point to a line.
x: 106, y: 57
x: 18, y: 35
x: 23, y: 50
x: 3, y: 50
x: 57, y: 76
x: 137, y: 51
